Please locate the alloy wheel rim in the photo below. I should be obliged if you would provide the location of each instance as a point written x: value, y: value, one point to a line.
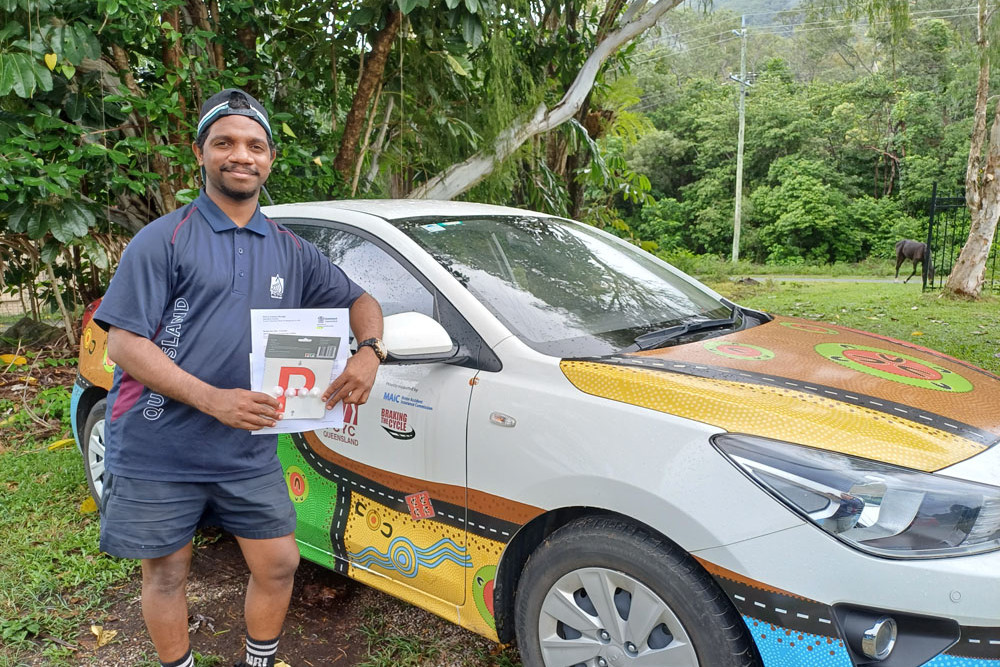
x: 598, y: 617
x: 95, y: 457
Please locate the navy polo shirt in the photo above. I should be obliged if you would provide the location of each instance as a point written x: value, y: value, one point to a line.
x: 187, y: 281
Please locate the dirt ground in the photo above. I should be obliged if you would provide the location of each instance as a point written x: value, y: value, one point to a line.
x: 324, y: 625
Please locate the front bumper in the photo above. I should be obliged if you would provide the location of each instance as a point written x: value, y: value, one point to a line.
x: 789, y: 605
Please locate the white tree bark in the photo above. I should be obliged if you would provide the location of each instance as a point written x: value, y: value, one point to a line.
x: 982, y: 181
x: 458, y: 178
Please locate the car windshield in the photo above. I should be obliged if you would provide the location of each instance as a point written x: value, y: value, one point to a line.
x: 561, y: 287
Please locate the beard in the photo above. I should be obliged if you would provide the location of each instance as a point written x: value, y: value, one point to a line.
x: 248, y: 191
x: 238, y: 195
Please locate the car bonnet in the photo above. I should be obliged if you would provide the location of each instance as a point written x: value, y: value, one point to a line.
x: 818, y: 385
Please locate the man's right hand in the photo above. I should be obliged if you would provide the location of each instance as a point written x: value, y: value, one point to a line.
x: 243, y: 409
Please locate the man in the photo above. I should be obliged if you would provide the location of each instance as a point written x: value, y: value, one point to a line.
x: 180, y: 448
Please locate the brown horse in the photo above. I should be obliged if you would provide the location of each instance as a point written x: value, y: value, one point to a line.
x: 916, y: 252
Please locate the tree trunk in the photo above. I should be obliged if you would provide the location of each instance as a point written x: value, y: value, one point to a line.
x: 379, y: 147
x: 199, y: 11
x: 160, y: 163
x: 370, y: 78
x: 173, y: 54
x: 458, y: 178
x: 982, y: 182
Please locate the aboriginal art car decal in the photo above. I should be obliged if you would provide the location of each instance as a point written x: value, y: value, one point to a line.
x: 818, y: 385
x: 794, y: 631
x: 413, y: 538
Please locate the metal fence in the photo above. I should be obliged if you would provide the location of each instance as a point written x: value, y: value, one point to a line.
x: 947, y: 232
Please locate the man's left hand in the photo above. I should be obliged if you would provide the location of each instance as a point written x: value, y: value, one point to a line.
x: 355, y: 383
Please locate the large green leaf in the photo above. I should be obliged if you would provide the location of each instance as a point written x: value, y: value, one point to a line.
x: 25, y: 74
x: 75, y: 105
x: 43, y: 77
x: 36, y: 222
x: 407, y: 6
x: 472, y: 30
x: 50, y: 251
x: 72, y: 221
x: 17, y: 217
x: 10, y: 29
x: 90, y: 47
x: 6, y: 74
x: 95, y: 252
x: 361, y: 17
x: 62, y: 39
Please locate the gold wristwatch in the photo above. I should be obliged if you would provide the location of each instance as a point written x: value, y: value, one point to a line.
x: 377, y: 346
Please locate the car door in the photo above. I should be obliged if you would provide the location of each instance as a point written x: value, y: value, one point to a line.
x: 399, y: 460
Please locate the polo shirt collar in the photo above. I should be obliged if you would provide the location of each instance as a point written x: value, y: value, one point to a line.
x: 220, y: 222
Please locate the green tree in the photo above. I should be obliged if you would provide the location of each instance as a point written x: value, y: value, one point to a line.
x: 804, y: 218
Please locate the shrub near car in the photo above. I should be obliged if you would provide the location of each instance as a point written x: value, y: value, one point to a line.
x: 578, y: 447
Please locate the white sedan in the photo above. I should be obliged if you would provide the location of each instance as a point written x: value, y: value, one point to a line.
x: 575, y: 446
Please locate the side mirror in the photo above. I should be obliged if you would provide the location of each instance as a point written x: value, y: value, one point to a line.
x: 417, y: 338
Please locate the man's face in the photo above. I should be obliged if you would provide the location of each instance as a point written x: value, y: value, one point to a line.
x: 236, y: 157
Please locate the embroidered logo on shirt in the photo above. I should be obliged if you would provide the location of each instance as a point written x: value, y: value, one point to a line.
x: 277, y: 286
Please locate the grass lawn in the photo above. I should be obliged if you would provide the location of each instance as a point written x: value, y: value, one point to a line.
x: 968, y: 330
x: 52, y: 576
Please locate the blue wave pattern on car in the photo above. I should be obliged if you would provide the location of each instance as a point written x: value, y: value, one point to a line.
x: 407, y: 558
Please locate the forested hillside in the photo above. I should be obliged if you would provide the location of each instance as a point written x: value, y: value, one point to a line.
x: 846, y: 132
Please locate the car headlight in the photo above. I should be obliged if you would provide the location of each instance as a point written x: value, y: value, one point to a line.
x: 878, y: 508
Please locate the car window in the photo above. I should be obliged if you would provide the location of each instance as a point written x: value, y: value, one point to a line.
x: 563, y: 288
x: 370, y: 266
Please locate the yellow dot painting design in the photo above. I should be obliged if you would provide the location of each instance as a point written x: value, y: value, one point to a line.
x: 776, y: 412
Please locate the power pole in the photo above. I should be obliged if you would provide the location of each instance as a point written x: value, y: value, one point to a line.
x: 742, y: 33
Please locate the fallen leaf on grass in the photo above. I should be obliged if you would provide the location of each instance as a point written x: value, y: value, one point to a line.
x: 103, y: 636
x: 59, y: 444
x: 88, y: 506
x: 13, y: 359
x: 917, y: 333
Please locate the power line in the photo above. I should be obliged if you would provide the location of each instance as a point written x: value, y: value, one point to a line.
x: 775, y: 28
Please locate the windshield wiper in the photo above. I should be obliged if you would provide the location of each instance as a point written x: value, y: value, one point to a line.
x: 659, y: 338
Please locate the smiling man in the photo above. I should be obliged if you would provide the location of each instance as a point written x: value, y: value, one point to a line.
x: 179, y: 446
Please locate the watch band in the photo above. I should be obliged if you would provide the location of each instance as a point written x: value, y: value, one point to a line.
x: 377, y: 347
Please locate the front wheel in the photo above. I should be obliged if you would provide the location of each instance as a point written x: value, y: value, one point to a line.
x: 93, y: 449
x: 601, y: 592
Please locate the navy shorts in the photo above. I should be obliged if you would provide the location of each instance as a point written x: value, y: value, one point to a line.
x: 148, y: 519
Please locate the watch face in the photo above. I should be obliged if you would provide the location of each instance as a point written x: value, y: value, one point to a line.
x: 376, y: 345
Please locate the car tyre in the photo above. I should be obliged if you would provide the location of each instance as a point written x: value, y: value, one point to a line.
x: 93, y: 449
x: 601, y: 591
